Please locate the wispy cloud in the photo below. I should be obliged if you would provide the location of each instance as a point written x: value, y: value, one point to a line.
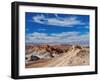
x: 60, y: 38
x: 57, y: 21
x: 67, y: 34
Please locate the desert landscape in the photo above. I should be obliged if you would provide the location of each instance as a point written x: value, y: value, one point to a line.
x: 45, y: 55
x: 56, y: 40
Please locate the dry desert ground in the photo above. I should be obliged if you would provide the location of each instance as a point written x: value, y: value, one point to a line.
x: 56, y: 55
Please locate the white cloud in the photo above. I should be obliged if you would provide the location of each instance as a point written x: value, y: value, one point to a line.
x: 36, y: 34
x: 66, y: 34
x: 76, y: 38
x: 57, y: 21
x: 38, y: 18
x: 60, y: 38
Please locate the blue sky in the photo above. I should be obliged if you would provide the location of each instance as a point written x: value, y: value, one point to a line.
x: 53, y: 28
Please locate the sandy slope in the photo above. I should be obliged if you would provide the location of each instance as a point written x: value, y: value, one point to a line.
x: 63, y: 60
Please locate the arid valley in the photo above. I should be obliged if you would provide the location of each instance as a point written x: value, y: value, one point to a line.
x: 45, y: 55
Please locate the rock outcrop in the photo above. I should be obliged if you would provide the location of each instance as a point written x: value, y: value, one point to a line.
x: 57, y: 55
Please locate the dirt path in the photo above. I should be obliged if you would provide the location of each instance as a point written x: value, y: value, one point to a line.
x: 63, y: 60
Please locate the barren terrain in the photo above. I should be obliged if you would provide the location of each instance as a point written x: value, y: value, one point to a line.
x: 56, y: 55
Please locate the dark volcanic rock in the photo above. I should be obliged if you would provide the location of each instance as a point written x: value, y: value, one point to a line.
x: 34, y: 58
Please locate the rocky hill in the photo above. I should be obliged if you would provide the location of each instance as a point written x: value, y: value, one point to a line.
x: 56, y: 55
